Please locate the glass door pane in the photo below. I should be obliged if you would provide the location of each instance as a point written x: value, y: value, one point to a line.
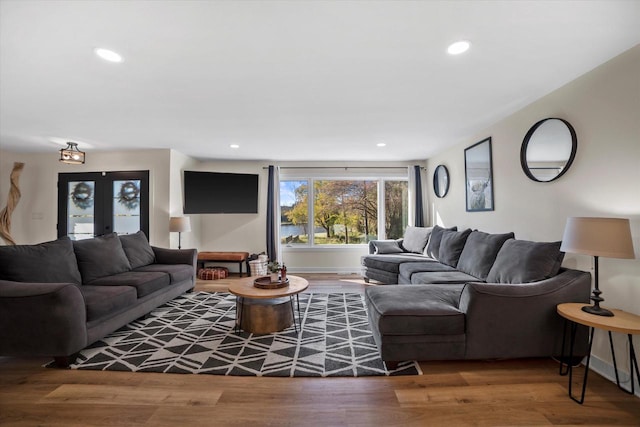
x: 126, y: 206
x: 81, y: 209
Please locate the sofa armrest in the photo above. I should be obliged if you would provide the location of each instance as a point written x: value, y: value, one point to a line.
x: 41, y: 319
x: 372, y: 244
x: 176, y: 256
x: 520, y: 320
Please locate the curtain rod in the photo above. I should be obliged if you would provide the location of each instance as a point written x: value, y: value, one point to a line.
x: 342, y: 167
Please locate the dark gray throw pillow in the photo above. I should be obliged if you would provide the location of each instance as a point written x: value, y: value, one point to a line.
x: 480, y: 253
x: 521, y: 261
x: 387, y: 247
x: 433, y: 247
x: 101, y: 256
x: 48, y: 262
x: 451, y: 246
x: 415, y: 238
x: 138, y: 250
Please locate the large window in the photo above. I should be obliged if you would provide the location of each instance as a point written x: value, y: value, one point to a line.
x: 343, y: 211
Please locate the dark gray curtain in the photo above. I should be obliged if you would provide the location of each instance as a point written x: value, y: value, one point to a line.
x: 419, y: 215
x: 272, y: 246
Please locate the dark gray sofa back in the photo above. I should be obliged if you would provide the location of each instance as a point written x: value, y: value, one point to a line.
x: 137, y: 249
x: 101, y: 256
x: 480, y: 252
x: 48, y: 262
x: 522, y: 261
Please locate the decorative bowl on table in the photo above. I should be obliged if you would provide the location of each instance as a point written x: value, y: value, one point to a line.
x: 266, y: 283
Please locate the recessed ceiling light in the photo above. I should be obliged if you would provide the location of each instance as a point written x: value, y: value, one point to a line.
x: 234, y: 146
x: 458, y: 47
x: 381, y: 144
x: 108, y: 55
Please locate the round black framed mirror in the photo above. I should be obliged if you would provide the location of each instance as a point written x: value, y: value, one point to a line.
x: 441, y: 181
x: 548, y: 149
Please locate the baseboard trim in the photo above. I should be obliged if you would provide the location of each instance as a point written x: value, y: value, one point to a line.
x: 606, y: 370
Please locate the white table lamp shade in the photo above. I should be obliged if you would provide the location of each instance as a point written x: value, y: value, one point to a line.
x: 179, y: 224
x: 602, y: 237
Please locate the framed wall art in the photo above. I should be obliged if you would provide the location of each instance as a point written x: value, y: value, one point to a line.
x: 478, y: 173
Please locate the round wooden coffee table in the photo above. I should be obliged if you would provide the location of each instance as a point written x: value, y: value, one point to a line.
x: 264, y: 311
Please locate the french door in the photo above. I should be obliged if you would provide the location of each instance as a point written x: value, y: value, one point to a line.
x: 96, y: 203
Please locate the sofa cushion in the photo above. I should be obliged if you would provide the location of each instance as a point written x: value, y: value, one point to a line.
x: 407, y: 269
x: 415, y: 239
x: 387, y: 247
x: 144, y: 282
x: 522, y: 261
x: 480, y: 253
x: 433, y: 247
x: 416, y: 310
x: 389, y: 262
x: 451, y: 246
x: 101, y: 301
x: 99, y: 257
x: 138, y: 250
x: 443, y: 277
x: 177, y: 272
x: 48, y: 262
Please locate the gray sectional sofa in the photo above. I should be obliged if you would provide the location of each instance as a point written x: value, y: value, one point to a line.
x: 469, y: 295
x: 58, y: 297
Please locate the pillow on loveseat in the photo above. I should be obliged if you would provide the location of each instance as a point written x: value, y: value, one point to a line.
x: 521, y: 261
x: 415, y: 238
x: 480, y: 252
x: 451, y: 246
x: 433, y: 247
x: 48, y: 262
x: 101, y: 256
x: 138, y: 250
x: 387, y: 247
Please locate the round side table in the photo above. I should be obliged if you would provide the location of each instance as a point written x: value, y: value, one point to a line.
x: 621, y: 322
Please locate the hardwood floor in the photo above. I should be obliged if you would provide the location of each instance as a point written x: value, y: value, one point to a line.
x: 480, y: 393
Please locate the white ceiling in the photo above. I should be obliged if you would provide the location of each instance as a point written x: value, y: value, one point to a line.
x: 289, y: 80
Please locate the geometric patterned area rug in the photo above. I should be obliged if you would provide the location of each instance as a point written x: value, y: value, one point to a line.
x: 194, y: 334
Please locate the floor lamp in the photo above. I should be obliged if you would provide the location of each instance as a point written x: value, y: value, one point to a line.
x: 598, y: 237
x: 179, y: 224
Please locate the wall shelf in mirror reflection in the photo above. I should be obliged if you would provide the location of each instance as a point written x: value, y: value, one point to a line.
x: 441, y: 181
x: 548, y: 149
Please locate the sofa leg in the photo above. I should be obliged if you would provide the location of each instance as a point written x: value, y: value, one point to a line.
x: 391, y: 366
x: 64, y: 361
x: 366, y: 280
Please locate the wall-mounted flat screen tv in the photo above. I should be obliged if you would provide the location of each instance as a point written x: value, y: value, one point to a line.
x: 215, y: 192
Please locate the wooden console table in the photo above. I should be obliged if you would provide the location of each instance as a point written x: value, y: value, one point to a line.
x: 621, y: 321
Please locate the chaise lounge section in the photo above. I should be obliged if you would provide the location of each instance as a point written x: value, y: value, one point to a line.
x: 469, y: 295
x: 58, y: 297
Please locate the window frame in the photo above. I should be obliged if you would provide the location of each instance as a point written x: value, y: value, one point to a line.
x: 310, y: 178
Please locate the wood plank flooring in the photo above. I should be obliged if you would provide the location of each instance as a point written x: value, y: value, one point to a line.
x: 454, y: 393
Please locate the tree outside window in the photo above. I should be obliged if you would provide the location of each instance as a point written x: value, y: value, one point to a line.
x: 344, y: 212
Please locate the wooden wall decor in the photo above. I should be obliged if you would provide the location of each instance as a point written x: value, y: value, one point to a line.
x: 12, y: 202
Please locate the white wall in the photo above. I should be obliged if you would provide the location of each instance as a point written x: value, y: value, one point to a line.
x: 180, y: 163
x: 604, y: 108
x: 34, y: 219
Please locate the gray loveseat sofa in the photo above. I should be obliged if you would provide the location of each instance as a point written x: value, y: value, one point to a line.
x: 469, y: 295
x: 58, y: 297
